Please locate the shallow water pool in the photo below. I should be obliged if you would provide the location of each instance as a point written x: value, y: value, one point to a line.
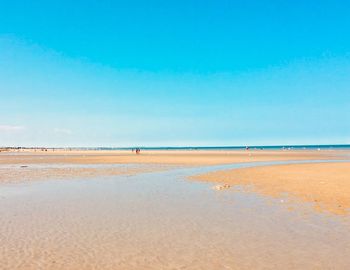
x: 163, y: 221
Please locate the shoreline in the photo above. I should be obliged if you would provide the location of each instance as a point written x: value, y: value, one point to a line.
x: 170, y: 157
x: 23, y: 166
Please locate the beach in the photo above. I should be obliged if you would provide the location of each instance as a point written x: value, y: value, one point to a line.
x: 158, y: 210
x: 180, y: 157
x: 325, y: 184
x: 175, y: 135
x: 27, y: 165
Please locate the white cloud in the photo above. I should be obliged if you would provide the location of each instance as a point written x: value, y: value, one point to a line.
x: 63, y: 131
x: 9, y: 128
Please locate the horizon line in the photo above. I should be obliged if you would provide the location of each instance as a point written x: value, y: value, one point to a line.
x: 176, y: 147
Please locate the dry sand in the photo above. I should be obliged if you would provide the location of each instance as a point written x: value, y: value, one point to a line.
x: 327, y: 185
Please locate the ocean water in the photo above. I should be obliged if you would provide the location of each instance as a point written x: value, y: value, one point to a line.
x: 252, y: 147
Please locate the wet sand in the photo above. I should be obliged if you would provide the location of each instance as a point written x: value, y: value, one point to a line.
x: 327, y: 185
x: 38, y: 172
x: 111, y: 214
x: 161, y: 221
x: 180, y: 157
x: 30, y: 165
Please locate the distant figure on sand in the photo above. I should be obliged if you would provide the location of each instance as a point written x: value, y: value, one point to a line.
x: 138, y: 150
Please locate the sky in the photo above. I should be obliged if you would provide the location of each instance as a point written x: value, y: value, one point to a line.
x: 174, y: 73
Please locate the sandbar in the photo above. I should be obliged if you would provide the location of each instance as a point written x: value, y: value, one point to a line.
x: 326, y: 185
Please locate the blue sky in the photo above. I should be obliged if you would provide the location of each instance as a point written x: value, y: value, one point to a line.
x: 155, y: 73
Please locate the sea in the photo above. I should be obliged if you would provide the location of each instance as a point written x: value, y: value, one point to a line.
x: 252, y: 147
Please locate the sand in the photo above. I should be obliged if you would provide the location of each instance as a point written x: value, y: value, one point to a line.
x: 30, y: 165
x: 161, y: 221
x: 181, y: 157
x: 31, y: 172
x: 326, y: 185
